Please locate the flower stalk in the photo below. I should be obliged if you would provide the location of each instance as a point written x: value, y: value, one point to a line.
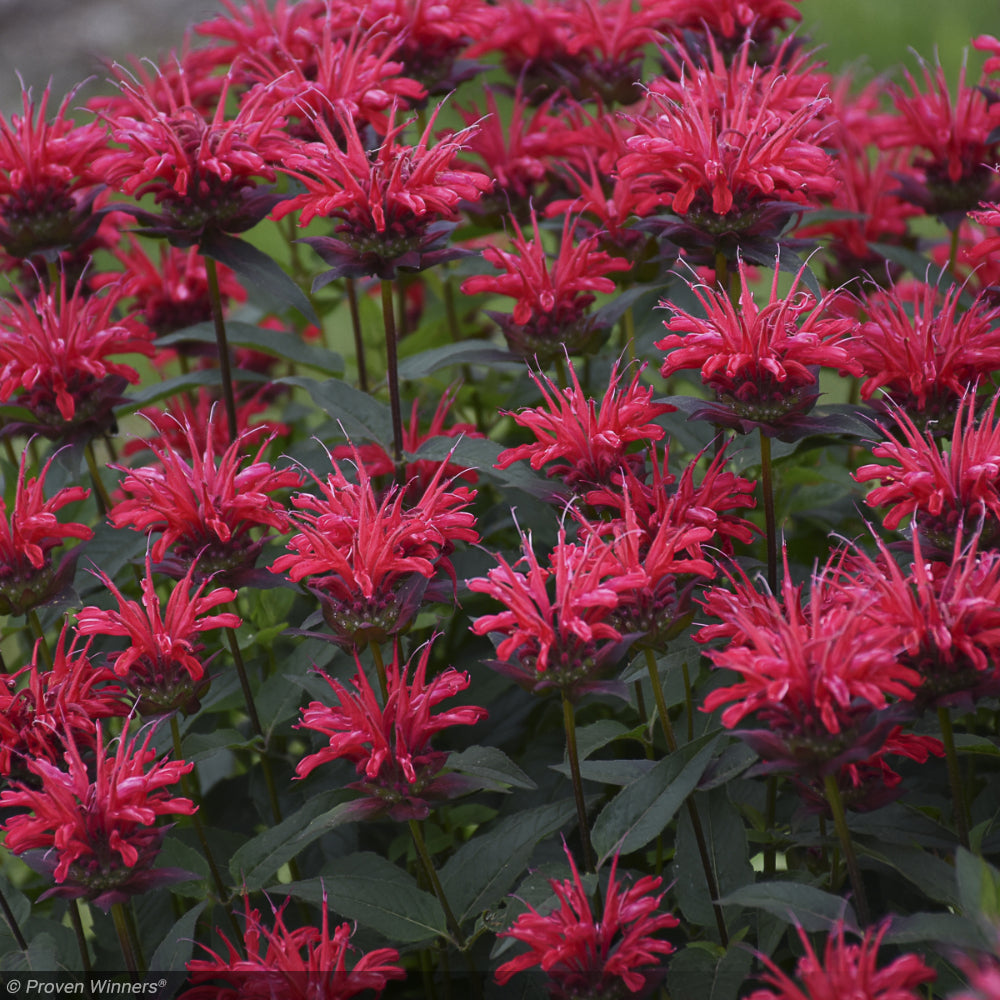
x: 569, y: 724
x: 836, y: 802
x: 225, y: 368
x: 960, y: 803
x: 392, y: 375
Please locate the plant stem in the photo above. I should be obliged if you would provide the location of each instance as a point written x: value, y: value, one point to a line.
x: 39, y: 633
x: 960, y: 805
x: 688, y: 701
x: 124, y: 937
x: 693, y: 814
x: 12, y: 924
x: 241, y: 672
x: 569, y: 724
x: 428, y: 866
x: 392, y: 374
x: 836, y: 803
x: 953, y: 249
x: 770, y: 810
x: 225, y: 370
x: 81, y: 938
x: 770, y: 528
x: 359, y: 340
x: 628, y: 333
x: 220, y: 886
x: 103, y: 499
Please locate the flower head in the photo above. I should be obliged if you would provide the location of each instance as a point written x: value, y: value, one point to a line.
x: 551, y: 316
x: 941, y: 487
x: 56, y: 359
x: 734, y: 152
x: 370, y: 557
x: 923, y: 352
x: 203, y: 507
x: 394, y: 208
x: 28, y: 535
x: 44, y: 709
x: 390, y: 743
x: 47, y: 182
x: 96, y: 837
x: 203, y: 172
x: 586, y: 955
x: 300, y: 964
x: 564, y: 639
x: 811, y: 673
x: 161, y: 665
x: 589, y: 441
x: 759, y: 362
x: 847, y: 970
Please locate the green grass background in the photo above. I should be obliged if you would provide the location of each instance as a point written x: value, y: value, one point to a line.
x: 878, y: 34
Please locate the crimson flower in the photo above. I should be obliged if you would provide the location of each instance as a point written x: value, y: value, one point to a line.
x: 203, y: 171
x: 301, y: 964
x: 96, y: 838
x: 370, y: 557
x: 55, y: 360
x: 564, y: 640
x: 44, y: 709
x: 588, y: 441
x: 394, y: 209
x: 951, y: 140
x: 732, y: 152
x: 941, y: 489
x: 729, y: 22
x: 847, y: 970
x: 923, y: 352
x: 170, y: 293
x: 759, y: 362
x: 206, y: 509
x: 983, y: 976
x: 390, y: 743
x: 161, y: 665
x: 47, y: 182
x: 28, y: 534
x: 812, y: 675
x: 551, y: 316
x: 419, y: 473
x: 585, y: 954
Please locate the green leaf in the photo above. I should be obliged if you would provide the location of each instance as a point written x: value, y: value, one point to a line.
x: 256, y: 862
x: 199, y: 746
x: 948, y: 929
x: 725, y: 840
x: 481, y: 454
x: 278, y: 700
x: 795, y: 902
x: 641, y: 810
x: 492, y: 764
x: 287, y: 346
x: 367, y: 888
x: 590, y: 739
x: 933, y: 876
x: 696, y: 972
x: 176, y: 948
x: 478, y: 874
x: 155, y: 391
x: 465, y: 352
x: 978, y: 887
x: 362, y: 416
x: 260, y: 272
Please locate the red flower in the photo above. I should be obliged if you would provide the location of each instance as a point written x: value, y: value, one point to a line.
x: 394, y: 209
x: 28, y: 534
x: 205, y: 508
x: 44, y: 710
x: 301, y: 964
x: 923, y: 352
x: 758, y: 361
x: 589, y: 440
x: 942, y: 490
x: 96, y: 838
x: 47, y: 182
x: 588, y: 955
x: 203, y: 171
x: 172, y: 292
x: 550, y: 317
x: 812, y: 674
x: 847, y: 970
x: 55, y: 359
x: 951, y: 143
x: 734, y: 151
x: 371, y: 558
x: 161, y: 664
x: 727, y: 21
x: 565, y: 640
x: 390, y: 744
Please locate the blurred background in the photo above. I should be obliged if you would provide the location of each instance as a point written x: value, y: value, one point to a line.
x: 65, y: 40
